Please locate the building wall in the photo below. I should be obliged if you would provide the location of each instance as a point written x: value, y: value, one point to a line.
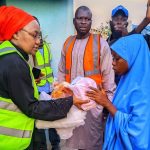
x: 55, y: 17
x: 101, y: 9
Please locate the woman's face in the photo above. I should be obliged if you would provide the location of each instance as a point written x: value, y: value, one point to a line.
x: 120, y: 66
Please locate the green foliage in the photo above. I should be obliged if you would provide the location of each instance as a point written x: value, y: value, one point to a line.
x: 103, y: 29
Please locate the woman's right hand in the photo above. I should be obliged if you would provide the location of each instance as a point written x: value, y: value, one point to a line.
x: 78, y: 102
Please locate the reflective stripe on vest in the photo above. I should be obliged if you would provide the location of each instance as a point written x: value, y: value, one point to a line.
x: 15, y: 132
x: 91, y: 58
x: 43, y: 66
x: 96, y: 69
x: 95, y: 53
x: 43, y: 62
x: 15, y: 126
x: 71, y: 38
x: 69, y: 43
x: 89, y: 73
x: 9, y: 106
x: 7, y: 49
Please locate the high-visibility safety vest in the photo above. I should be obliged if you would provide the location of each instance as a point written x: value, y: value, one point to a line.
x: 15, y: 127
x: 43, y: 62
x: 91, y: 62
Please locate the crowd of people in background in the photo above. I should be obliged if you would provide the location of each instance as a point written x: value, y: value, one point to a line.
x: 118, y: 65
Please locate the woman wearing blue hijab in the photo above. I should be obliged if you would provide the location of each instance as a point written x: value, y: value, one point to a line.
x: 128, y: 125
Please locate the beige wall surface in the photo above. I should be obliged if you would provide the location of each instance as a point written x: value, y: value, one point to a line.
x: 101, y: 9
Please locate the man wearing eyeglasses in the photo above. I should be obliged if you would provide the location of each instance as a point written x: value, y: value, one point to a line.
x: 19, y: 105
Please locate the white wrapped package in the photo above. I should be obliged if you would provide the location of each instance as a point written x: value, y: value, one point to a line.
x: 75, y: 117
x: 79, y: 86
x: 65, y: 126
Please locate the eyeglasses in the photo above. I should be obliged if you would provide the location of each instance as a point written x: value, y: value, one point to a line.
x: 35, y: 36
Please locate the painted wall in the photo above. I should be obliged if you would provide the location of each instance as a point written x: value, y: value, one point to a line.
x: 55, y: 17
x: 101, y: 9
